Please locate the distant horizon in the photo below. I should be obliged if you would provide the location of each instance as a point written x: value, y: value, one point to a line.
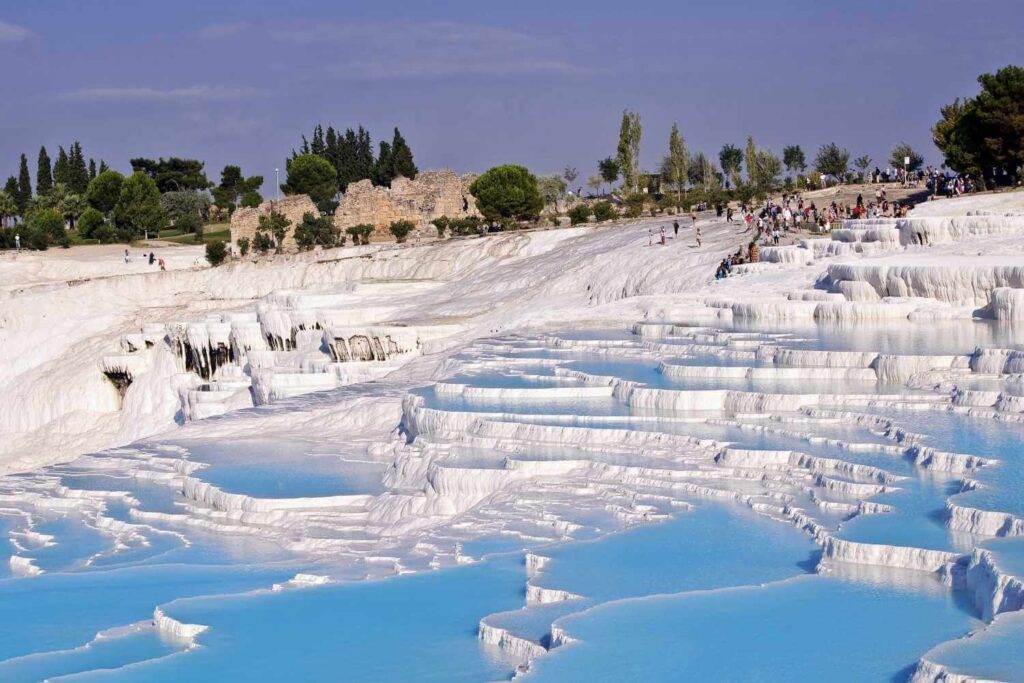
x: 471, y: 87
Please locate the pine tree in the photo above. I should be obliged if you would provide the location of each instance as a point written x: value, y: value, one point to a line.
x: 61, y: 168
x: 44, y: 174
x: 92, y: 168
x: 11, y: 190
x: 24, y: 195
x: 103, y: 167
x: 401, y: 158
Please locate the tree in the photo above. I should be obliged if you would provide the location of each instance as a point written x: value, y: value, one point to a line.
x: 312, y: 175
x: 383, y: 168
x: 89, y: 222
x: 138, y: 210
x: 24, y: 195
x: 570, y: 174
x: 44, y: 173
x: 92, y: 169
x: 48, y: 227
x: 8, y: 207
x: 243, y: 246
x: 899, y: 154
x: 104, y: 190
x: 276, y: 225
x: 216, y: 252
x: 794, y: 159
x: 174, y: 173
x: 731, y: 159
x: 833, y: 160
x: 628, y: 151
x: 750, y: 155
x: 234, y: 185
x: 360, y: 233
x: 77, y: 175
x: 315, y: 230
x: 609, y: 170
x: 183, y: 205
x: 594, y: 183
x: 678, y: 160
x: 401, y: 230
x: 769, y: 167
x: 402, y: 165
x: 986, y: 133
x: 862, y: 164
x: 551, y: 188
x: 507, y: 192
x: 62, y: 167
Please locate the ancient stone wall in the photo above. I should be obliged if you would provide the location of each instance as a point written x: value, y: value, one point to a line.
x: 245, y: 220
x: 430, y: 195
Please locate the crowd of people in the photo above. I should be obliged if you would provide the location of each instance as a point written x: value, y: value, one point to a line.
x: 151, y: 257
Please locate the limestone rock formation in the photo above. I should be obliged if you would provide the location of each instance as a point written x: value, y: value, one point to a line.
x: 430, y: 195
x: 245, y: 220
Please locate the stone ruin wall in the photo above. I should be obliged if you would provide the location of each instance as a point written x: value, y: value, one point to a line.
x: 430, y: 195
x: 245, y: 220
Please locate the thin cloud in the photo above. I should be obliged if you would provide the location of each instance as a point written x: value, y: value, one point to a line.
x: 12, y: 33
x: 434, y: 49
x: 197, y: 93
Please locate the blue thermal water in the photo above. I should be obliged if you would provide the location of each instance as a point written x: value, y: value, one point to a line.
x: 711, y: 546
x: 810, y: 628
x: 994, y: 654
x: 421, y: 626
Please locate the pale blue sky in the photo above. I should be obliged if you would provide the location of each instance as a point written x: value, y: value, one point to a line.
x: 472, y: 84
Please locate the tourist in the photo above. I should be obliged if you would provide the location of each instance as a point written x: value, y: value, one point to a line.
x: 163, y: 266
x: 675, y: 228
x: 693, y: 215
x: 699, y: 237
x: 152, y: 258
x: 17, y: 241
x: 663, y: 236
x: 127, y: 258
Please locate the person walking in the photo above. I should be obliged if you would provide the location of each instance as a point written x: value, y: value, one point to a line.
x: 675, y: 228
x: 663, y: 236
x: 17, y: 241
x: 693, y: 215
x: 127, y: 258
x: 700, y: 237
x: 152, y: 258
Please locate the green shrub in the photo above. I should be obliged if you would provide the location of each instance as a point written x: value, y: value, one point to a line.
x: 441, y: 224
x: 604, y: 211
x: 360, y: 233
x: 401, y: 230
x: 262, y: 242
x: 316, y: 230
x: 243, y: 245
x: 89, y: 221
x: 579, y: 214
x: 216, y: 252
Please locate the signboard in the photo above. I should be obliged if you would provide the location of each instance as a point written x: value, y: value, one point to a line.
x: 906, y: 161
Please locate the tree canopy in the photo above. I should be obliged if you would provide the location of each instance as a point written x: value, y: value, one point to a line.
x: 351, y: 155
x: 173, y: 174
x: 730, y: 158
x: 986, y: 133
x: 138, y: 207
x: 507, y: 192
x: 104, y: 190
x: 313, y: 175
x: 794, y: 159
x: 833, y: 160
x: 900, y: 153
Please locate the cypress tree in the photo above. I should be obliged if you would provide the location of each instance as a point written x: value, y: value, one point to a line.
x: 103, y: 167
x: 364, y: 162
x: 44, y: 174
x: 24, y: 195
x: 383, y: 170
x: 61, y: 170
x: 78, y: 174
x: 401, y: 158
x: 92, y: 168
x: 11, y: 188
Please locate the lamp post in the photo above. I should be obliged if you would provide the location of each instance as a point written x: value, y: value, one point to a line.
x: 277, y: 184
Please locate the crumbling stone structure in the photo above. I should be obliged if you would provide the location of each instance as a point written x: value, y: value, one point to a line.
x: 244, y: 221
x: 430, y: 195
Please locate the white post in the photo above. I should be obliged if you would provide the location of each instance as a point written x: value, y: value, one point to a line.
x: 277, y: 185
